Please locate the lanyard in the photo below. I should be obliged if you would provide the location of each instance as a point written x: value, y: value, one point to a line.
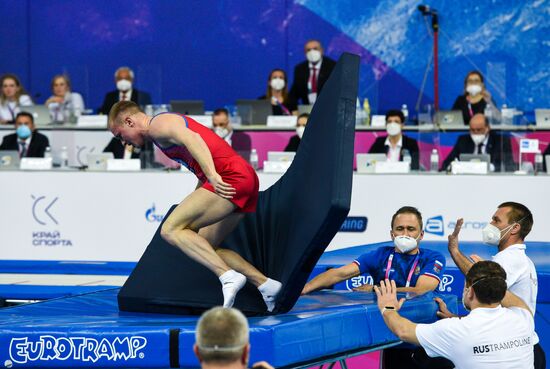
x: 390, y: 261
x: 283, y: 108
x: 470, y: 110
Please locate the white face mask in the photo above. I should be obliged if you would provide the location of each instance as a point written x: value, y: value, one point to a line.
x: 277, y: 84
x: 473, y: 89
x: 300, y: 131
x: 393, y: 128
x: 405, y: 244
x: 477, y: 138
x: 313, y: 56
x: 222, y: 132
x: 123, y: 85
x: 491, y: 234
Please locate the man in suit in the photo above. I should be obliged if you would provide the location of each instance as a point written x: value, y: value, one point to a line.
x: 26, y: 139
x: 395, y: 145
x: 482, y: 140
x: 239, y: 141
x: 311, y: 75
x: 124, y: 78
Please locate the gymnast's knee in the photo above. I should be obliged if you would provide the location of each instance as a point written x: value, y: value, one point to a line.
x: 172, y: 232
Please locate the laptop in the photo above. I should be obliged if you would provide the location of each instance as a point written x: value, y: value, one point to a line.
x: 449, y: 118
x: 9, y: 159
x: 542, y: 117
x: 188, y: 107
x: 280, y: 156
x: 40, y: 113
x: 254, y: 111
x: 305, y: 109
x: 98, y: 162
x: 366, y: 162
x: 476, y: 157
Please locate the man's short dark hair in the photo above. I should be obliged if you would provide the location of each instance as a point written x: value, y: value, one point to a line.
x: 25, y: 114
x: 488, y: 279
x: 395, y: 113
x: 408, y: 210
x: 303, y: 115
x: 520, y: 214
x: 221, y: 111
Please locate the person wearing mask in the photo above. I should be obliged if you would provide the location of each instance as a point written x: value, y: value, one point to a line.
x: 311, y: 75
x: 222, y: 340
x: 509, y: 226
x: 12, y: 97
x: 64, y: 104
x: 414, y: 269
x: 295, y: 140
x: 26, y: 139
x: 125, y: 91
x: 497, y: 334
x: 277, y: 94
x: 481, y: 140
x: 239, y: 141
x: 396, y: 145
x: 475, y: 98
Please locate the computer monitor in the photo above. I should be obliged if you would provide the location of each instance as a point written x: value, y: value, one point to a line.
x: 188, y: 107
x: 449, y: 118
x: 475, y: 157
x: 98, y: 162
x: 305, y: 109
x: 254, y: 111
x: 280, y: 155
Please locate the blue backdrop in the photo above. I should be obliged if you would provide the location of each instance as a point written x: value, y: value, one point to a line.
x: 222, y: 50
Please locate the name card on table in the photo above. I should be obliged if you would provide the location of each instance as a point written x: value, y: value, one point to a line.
x: 527, y: 145
x: 469, y: 167
x: 123, y: 165
x: 92, y: 121
x: 276, y: 166
x: 282, y: 121
x: 205, y: 120
x: 378, y: 121
x: 36, y: 164
x: 392, y: 167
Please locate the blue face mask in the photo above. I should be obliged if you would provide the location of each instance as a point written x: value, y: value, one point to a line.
x: 23, y: 132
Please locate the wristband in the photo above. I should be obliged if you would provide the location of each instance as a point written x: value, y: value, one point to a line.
x: 388, y: 308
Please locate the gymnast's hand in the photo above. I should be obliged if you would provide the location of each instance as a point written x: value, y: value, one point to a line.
x: 223, y: 189
x: 364, y: 288
x: 443, y: 312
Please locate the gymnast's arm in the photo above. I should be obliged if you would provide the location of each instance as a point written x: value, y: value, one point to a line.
x: 331, y: 277
x: 424, y: 284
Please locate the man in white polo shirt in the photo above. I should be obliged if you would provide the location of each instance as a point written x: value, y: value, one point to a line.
x: 509, y: 226
x: 497, y: 334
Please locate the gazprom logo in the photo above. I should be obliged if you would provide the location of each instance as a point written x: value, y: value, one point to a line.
x: 85, y: 349
x: 152, y: 216
x: 354, y: 224
x: 435, y: 225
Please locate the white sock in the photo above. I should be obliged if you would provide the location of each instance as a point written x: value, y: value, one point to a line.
x: 269, y: 290
x: 232, y: 282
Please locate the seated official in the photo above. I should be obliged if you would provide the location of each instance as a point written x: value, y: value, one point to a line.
x: 546, y: 152
x: 122, y: 151
x: 475, y: 98
x: 239, y: 141
x: 26, y: 139
x: 64, y: 103
x: 395, y: 144
x: 125, y: 91
x: 413, y: 269
x: 12, y: 97
x: 222, y: 340
x: 498, y: 332
x: 277, y: 94
x: 295, y: 140
x: 482, y: 140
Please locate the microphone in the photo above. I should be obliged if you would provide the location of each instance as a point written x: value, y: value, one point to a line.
x: 425, y: 9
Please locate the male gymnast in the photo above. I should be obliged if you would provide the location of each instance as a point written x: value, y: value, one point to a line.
x: 227, y: 188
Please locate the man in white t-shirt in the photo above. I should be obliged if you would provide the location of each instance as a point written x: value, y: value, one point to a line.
x: 497, y: 334
x: 509, y: 226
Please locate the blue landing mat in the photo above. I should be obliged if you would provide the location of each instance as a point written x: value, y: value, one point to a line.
x: 88, y: 330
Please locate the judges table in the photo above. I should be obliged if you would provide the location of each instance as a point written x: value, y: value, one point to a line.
x: 67, y: 215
